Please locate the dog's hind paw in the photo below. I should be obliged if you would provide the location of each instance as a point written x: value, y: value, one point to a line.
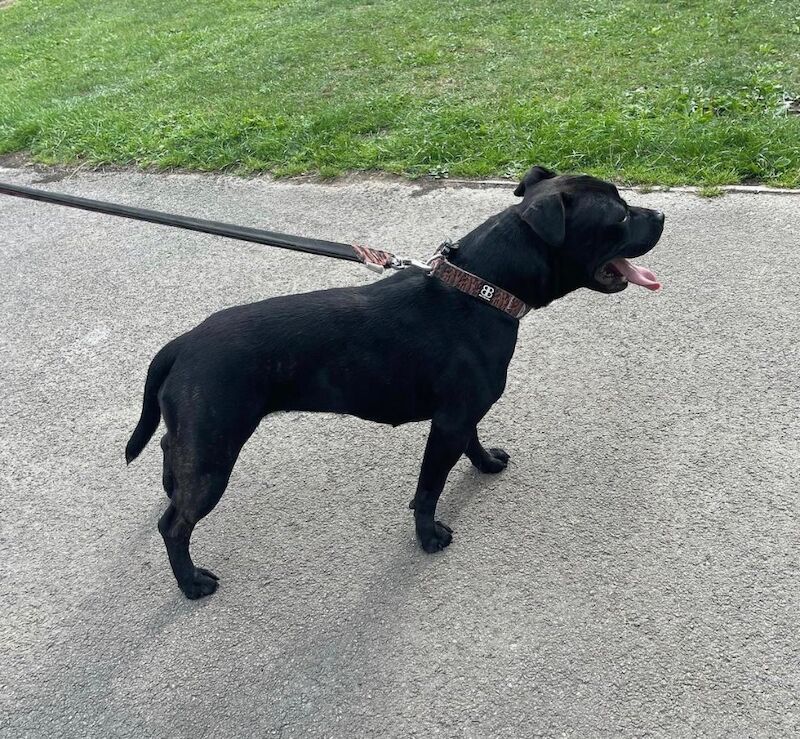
x: 204, y: 582
x: 495, y: 460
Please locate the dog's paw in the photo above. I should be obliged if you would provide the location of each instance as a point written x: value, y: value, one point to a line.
x: 204, y: 582
x: 495, y: 460
x: 436, y: 538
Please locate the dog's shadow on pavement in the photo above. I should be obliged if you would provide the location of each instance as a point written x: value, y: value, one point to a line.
x: 135, y: 608
x: 399, y: 594
x: 83, y: 650
x: 463, y: 487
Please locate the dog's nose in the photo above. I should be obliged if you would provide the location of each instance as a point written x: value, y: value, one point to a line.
x: 659, y: 216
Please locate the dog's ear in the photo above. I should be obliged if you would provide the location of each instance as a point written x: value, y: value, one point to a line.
x: 546, y: 217
x: 534, y: 175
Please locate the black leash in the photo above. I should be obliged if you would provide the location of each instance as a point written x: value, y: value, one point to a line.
x: 374, y: 259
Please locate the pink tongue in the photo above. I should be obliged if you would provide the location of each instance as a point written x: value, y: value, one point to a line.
x: 635, y: 274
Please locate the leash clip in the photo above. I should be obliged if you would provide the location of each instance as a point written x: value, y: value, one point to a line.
x: 444, y: 250
x: 405, y: 262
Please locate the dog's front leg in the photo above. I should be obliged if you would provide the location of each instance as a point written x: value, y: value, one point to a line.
x: 486, y: 460
x: 446, y: 443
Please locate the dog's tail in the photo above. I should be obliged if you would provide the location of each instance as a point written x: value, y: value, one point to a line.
x: 151, y: 411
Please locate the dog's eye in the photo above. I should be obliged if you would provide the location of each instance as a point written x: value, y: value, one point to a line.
x: 626, y: 219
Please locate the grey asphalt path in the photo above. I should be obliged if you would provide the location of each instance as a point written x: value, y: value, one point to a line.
x: 634, y: 572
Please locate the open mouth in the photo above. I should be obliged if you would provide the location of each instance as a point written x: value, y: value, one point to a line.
x: 617, y: 273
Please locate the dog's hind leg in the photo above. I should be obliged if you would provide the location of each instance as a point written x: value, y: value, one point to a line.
x: 198, y: 477
x: 176, y: 529
x: 167, y: 479
x: 486, y: 460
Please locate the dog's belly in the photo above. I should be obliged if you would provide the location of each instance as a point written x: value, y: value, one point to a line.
x: 377, y: 400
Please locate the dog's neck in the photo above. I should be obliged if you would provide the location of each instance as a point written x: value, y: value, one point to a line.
x: 505, y: 251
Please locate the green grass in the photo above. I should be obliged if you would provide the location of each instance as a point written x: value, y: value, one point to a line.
x: 710, y: 191
x: 645, y: 91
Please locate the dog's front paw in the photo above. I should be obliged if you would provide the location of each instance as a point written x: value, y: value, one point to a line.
x: 495, y: 460
x: 435, y: 538
x: 203, y: 582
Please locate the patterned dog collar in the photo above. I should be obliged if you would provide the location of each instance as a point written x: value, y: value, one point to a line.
x: 473, y: 285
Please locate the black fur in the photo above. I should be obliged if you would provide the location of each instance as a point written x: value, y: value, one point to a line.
x: 406, y: 348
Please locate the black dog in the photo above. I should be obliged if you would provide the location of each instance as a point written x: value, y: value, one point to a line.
x: 408, y: 348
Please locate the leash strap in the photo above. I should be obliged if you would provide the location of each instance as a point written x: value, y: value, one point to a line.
x: 256, y: 235
x: 373, y: 259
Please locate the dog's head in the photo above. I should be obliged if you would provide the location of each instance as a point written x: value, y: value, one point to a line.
x: 590, y: 230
